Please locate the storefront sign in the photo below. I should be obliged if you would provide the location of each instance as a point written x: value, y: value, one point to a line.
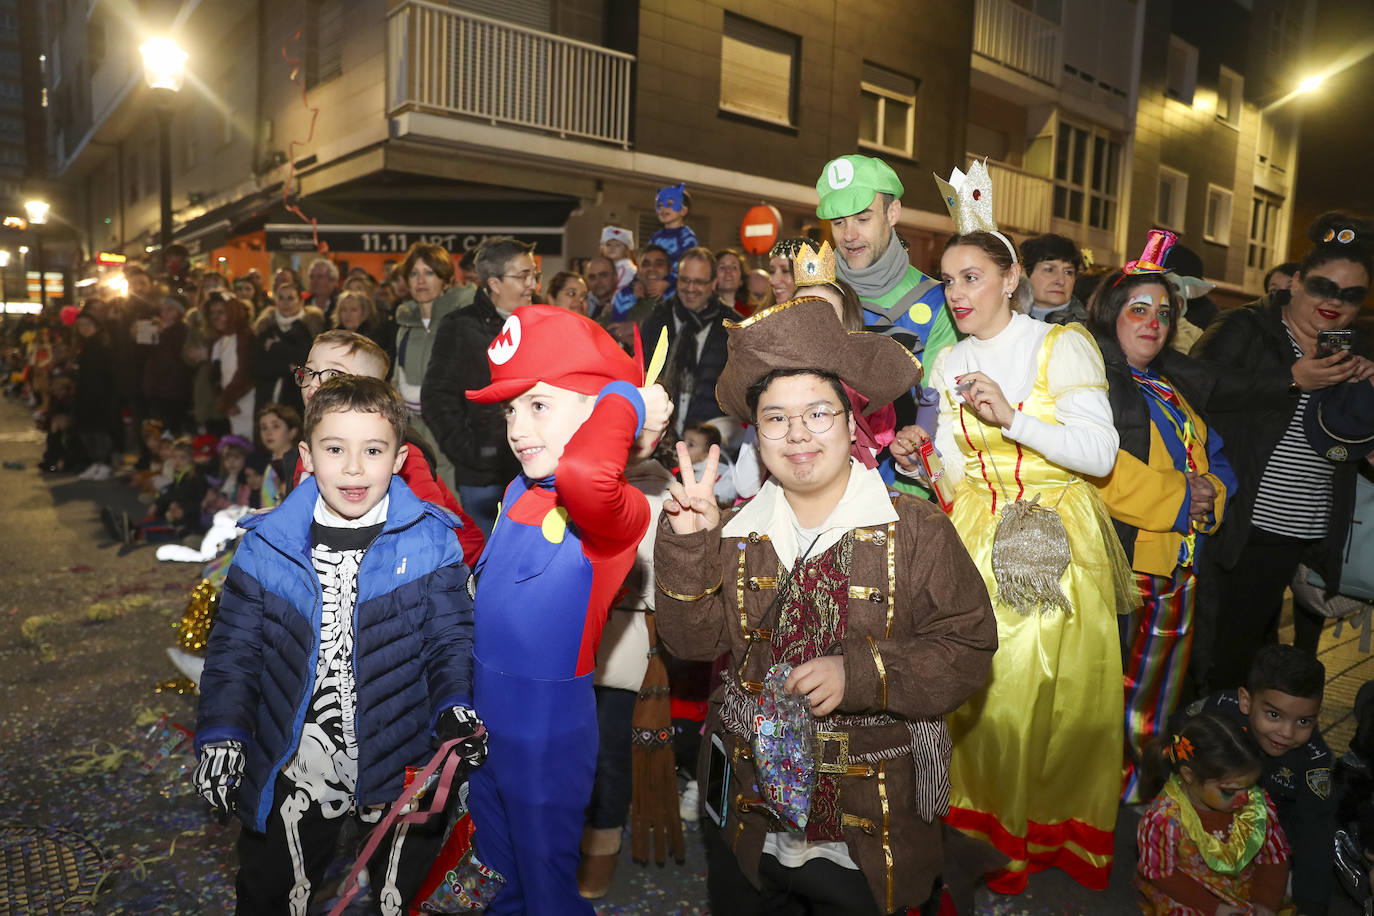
x: 398, y: 239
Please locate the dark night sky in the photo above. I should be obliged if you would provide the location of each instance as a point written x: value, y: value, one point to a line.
x: 1337, y: 142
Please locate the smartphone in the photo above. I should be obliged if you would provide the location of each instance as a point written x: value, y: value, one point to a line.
x: 717, y: 795
x: 1330, y: 342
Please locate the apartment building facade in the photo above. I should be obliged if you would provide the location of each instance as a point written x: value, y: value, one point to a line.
x: 1104, y: 118
x: 390, y: 122
x: 544, y: 118
x: 1215, y: 155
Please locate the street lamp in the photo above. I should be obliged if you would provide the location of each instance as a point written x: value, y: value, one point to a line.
x: 164, y: 67
x: 4, y: 274
x: 1312, y: 82
x: 37, y: 211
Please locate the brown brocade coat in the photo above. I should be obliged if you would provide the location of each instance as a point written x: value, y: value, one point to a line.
x: 913, y: 651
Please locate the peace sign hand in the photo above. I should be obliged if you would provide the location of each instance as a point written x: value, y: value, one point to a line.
x: 691, y: 503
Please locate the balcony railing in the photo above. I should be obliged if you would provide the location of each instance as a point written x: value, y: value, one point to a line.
x: 446, y: 60
x: 1017, y: 38
x: 1020, y: 201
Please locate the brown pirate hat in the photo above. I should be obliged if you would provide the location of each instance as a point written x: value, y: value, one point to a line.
x: 806, y: 333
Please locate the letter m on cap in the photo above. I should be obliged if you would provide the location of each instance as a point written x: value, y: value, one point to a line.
x: 506, y: 343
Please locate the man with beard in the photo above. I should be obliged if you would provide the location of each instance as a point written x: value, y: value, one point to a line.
x: 861, y: 197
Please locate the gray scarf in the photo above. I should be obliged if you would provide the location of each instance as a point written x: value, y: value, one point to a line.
x: 877, y: 279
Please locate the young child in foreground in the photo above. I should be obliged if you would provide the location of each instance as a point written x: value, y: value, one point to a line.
x: 562, y: 545
x: 340, y: 352
x: 1211, y: 843
x: 342, y: 649
x: 1279, y: 706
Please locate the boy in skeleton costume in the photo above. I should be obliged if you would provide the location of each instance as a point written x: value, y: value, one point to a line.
x: 343, y: 646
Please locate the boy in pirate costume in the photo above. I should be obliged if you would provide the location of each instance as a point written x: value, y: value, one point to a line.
x: 868, y: 594
x: 563, y: 542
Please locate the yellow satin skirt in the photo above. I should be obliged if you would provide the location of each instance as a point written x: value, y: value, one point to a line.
x: 1037, y: 753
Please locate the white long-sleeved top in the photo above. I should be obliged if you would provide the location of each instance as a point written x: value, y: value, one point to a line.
x: 1082, y: 438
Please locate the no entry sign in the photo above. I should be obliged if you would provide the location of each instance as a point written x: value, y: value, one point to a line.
x: 759, y: 229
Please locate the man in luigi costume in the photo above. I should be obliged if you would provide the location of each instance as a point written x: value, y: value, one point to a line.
x: 861, y: 197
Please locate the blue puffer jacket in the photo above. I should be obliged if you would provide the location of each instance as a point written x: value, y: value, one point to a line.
x: 412, y: 627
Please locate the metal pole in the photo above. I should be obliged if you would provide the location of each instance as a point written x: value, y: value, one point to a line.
x: 164, y: 154
x: 42, y: 280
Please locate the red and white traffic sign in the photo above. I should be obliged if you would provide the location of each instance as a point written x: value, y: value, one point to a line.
x: 759, y: 229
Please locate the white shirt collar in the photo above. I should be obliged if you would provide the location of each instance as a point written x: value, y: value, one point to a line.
x: 865, y: 502
x: 329, y: 518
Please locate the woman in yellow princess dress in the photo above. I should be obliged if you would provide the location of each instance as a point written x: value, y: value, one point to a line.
x: 1024, y: 418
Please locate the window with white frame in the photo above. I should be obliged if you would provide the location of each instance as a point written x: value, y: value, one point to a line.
x: 1182, y: 74
x: 758, y: 70
x: 887, y: 111
x: 1264, y: 231
x: 1087, y: 176
x: 1230, y: 92
x: 1171, y: 204
x: 1217, y: 225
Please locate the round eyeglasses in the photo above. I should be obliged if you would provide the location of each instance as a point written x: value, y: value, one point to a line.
x: 817, y: 420
x: 304, y: 375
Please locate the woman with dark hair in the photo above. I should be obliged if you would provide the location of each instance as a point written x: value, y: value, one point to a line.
x: 231, y: 359
x: 1279, y: 277
x: 1167, y: 491
x: 428, y: 272
x: 1051, y: 263
x: 780, y: 256
x: 568, y: 290
x: 730, y: 288
x: 1288, y: 491
x: 1024, y: 422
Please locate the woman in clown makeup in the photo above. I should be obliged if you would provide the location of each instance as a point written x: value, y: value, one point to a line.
x: 1167, y: 491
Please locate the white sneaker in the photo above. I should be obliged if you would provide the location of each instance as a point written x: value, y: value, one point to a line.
x: 689, y: 801
x: 89, y: 473
x: 100, y: 472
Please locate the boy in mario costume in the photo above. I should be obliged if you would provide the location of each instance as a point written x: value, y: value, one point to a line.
x: 561, y: 547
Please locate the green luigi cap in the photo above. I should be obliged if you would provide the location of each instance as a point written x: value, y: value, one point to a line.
x: 850, y: 183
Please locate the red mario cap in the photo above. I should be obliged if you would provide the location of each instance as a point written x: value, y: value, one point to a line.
x: 544, y: 343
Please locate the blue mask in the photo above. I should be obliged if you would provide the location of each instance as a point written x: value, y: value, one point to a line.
x: 671, y: 197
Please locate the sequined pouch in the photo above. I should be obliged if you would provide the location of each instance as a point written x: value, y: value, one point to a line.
x: 784, y: 749
x: 459, y: 882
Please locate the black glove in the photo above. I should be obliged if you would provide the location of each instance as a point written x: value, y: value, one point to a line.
x: 218, y: 776
x: 462, y: 723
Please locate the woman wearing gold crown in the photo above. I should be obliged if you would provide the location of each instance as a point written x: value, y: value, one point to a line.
x: 1023, y: 420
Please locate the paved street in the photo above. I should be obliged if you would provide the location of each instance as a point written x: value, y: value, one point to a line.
x: 90, y: 812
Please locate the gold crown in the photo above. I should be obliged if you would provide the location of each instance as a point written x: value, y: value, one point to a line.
x: 969, y: 199
x: 811, y: 267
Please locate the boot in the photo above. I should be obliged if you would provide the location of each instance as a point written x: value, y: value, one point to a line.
x: 600, y: 849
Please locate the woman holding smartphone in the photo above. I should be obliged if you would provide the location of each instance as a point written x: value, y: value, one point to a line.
x: 1283, y: 506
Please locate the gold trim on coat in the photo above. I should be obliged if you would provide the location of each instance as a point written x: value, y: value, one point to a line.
x: 678, y: 596
x: 882, y: 670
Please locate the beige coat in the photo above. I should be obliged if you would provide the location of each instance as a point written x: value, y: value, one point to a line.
x: 919, y: 640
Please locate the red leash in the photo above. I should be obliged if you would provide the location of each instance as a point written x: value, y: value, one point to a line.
x: 450, y: 763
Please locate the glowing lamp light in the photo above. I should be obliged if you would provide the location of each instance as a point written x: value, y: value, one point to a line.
x: 4, y: 258
x: 23, y: 249
x: 1312, y: 82
x: 164, y: 64
x: 37, y: 211
x: 15, y: 222
x: 118, y: 284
